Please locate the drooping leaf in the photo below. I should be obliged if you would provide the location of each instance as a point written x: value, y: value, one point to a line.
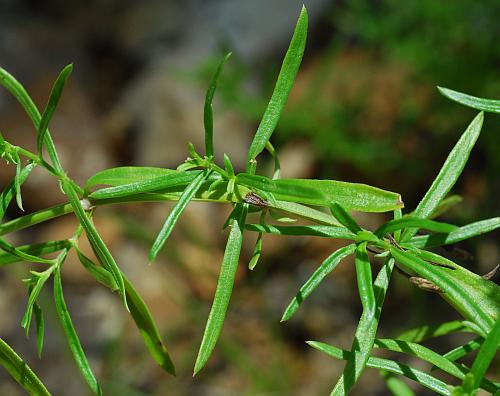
x: 176, y: 212
x: 13, y: 251
x: 40, y: 328
x: 54, y: 97
x: 325, y: 268
x: 208, y: 118
x: 73, y: 341
x: 489, y: 105
x: 147, y: 327
x: 282, y: 89
x: 20, y: 371
x: 36, y: 284
x: 449, y: 173
x: 101, y: 250
x: 99, y: 273
x: 418, y: 376
x: 224, y: 287
x: 353, y: 196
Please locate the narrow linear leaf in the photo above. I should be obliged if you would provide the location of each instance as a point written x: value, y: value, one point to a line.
x: 463, y: 350
x: 54, y: 97
x: 423, y: 333
x: 101, y: 250
x: 38, y: 249
x: 399, y: 224
x: 486, y: 354
x: 421, y: 352
x: 449, y: 173
x: 490, y: 105
x: 170, y: 179
x: 326, y: 267
x: 13, y: 251
x: 147, y: 327
x: 277, y: 166
x: 10, y: 191
x: 305, y: 212
x: 18, y: 91
x: 34, y: 291
x: 465, y: 298
x: 257, y: 251
x: 175, y: 214
x: 460, y: 234
x: 353, y: 196
x: 284, y: 83
x: 389, y: 365
x: 208, y: 120
x: 126, y: 175
x: 320, y: 231
x: 99, y: 273
x: 17, y: 182
x: 40, y: 328
x: 228, y: 165
x: 344, y: 217
x: 224, y: 287
x: 71, y: 336
x: 366, y: 331
x: 20, y: 371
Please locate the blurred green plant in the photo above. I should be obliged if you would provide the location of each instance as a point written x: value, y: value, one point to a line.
x: 476, y: 298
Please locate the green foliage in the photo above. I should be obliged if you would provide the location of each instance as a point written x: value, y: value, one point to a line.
x: 200, y: 178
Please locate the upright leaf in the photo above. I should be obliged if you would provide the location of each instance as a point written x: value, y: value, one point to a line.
x: 224, y: 288
x: 71, y: 336
x: 18, y: 91
x: 449, y: 173
x: 51, y: 106
x: 282, y: 89
x: 489, y: 105
x: 208, y: 118
x: 326, y: 267
x: 176, y: 212
x: 20, y: 371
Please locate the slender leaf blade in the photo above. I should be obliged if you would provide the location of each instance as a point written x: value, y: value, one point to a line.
x: 176, y: 212
x: 224, y: 288
x: 148, y: 329
x: 126, y: 175
x: 410, y: 221
x: 418, y: 376
x: 73, y: 341
x: 326, y: 267
x: 489, y: 105
x: 20, y: 371
x: 353, y: 196
x: 11, y: 190
x: 54, y: 97
x: 208, y: 120
x: 101, y: 250
x: 449, y: 173
x: 344, y: 217
x: 282, y: 89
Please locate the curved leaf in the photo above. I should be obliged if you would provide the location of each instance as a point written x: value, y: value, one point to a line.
x: 408, y: 221
x: 489, y: 105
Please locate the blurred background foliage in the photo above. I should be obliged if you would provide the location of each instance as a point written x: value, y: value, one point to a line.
x: 364, y: 108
